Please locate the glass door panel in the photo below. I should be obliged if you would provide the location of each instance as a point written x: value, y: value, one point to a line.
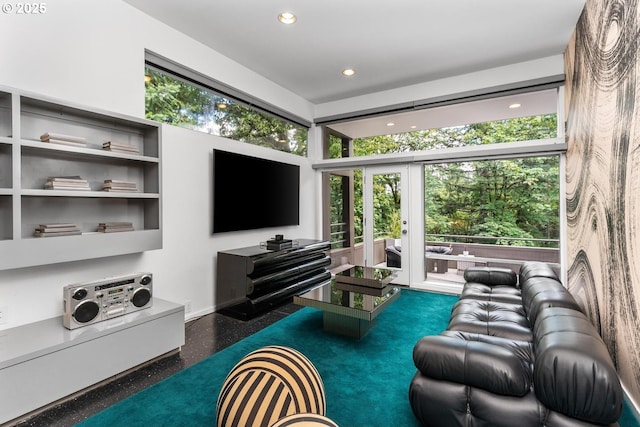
x: 386, y: 227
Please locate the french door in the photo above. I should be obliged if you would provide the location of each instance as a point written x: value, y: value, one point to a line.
x: 385, y: 216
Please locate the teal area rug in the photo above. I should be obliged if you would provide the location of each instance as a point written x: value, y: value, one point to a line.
x: 366, y: 381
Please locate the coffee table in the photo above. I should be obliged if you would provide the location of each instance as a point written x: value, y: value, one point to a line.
x: 348, y: 309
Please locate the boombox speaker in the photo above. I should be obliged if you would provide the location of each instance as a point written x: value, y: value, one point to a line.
x: 92, y: 302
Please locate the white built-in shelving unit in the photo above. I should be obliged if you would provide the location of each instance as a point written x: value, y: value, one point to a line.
x: 26, y: 163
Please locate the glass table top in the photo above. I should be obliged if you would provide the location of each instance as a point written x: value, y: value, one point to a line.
x: 352, y: 300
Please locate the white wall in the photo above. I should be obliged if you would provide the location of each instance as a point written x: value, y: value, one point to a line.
x: 92, y: 53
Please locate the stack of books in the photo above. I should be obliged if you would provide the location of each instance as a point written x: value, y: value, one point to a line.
x: 58, y: 138
x: 56, y: 229
x: 112, y: 227
x: 66, y: 183
x: 121, y: 148
x: 117, y: 185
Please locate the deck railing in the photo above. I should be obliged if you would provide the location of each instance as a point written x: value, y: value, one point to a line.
x: 465, y: 250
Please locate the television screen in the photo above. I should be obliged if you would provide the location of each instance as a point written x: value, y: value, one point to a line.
x: 251, y: 193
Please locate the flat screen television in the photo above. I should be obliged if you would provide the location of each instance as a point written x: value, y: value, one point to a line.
x: 252, y: 193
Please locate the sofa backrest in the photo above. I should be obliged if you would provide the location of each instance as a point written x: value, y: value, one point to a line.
x: 541, y: 289
x: 573, y: 372
x: 530, y: 269
x: 492, y: 276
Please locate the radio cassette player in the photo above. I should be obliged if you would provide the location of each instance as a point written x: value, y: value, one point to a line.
x: 92, y: 302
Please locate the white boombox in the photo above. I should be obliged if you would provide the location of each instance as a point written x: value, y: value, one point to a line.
x: 92, y: 302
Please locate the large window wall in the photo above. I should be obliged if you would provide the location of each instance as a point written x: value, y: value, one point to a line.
x: 490, y: 193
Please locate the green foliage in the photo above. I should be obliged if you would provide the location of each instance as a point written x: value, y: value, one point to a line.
x: 245, y: 124
x: 174, y: 102
x: 178, y: 103
x: 517, y: 198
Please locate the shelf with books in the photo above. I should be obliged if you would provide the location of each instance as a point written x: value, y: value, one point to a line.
x: 88, y: 194
x: 76, y: 151
x: 38, y: 166
x: 64, y: 163
x: 40, y: 116
x: 87, y: 214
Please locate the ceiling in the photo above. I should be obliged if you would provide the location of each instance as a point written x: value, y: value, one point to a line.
x: 390, y: 44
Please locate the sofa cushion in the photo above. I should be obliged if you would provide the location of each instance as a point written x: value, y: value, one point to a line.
x: 479, y: 364
x: 531, y: 269
x: 490, y: 318
x: 542, y: 292
x: 491, y: 276
x: 445, y: 404
x: 552, y: 298
x: 522, y: 349
x: 499, y: 293
x: 560, y: 319
x: 573, y: 374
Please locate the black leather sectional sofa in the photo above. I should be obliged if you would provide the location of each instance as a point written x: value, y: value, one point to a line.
x: 518, y: 352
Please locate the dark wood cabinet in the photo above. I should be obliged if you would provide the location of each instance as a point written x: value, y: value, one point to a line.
x: 253, y: 280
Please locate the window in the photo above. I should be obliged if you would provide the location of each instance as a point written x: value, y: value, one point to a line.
x: 493, y: 206
x: 498, y: 202
x: 338, y: 145
x: 177, y: 100
x: 501, y: 131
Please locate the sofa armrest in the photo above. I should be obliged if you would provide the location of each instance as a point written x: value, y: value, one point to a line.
x: 477, y: 364
x: 574, y: 375
x: 491, y: 276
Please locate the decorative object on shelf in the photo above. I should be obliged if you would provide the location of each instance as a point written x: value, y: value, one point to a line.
x: 113, y: 227
x: 366, y: 276
x: 91, y: 302
x: 56, y: 229
x: 58, y: 138
x: 278, y: 243
x: 121, y: 148
x: 66, y: 183
x: 118, y: 185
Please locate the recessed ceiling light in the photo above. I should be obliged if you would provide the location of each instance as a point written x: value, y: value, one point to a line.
x: 413, y: 126
x: 287, y: 18
x: 391, y: 124
x: 348, y: 72
x: 515, y: 105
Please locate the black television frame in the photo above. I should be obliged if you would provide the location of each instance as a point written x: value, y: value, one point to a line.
x: 252, y: 193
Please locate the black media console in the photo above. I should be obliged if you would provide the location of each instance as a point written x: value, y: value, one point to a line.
x: 253, y: 280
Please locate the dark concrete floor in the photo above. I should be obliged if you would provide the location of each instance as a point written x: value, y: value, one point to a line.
x: 203, y: 337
